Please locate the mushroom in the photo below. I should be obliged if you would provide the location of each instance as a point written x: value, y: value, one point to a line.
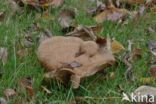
x: 72, y: 59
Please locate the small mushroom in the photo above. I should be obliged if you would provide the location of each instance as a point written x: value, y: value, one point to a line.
x: 72, y: 59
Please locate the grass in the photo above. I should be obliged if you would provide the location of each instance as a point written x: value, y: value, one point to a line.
x: 15, y: 68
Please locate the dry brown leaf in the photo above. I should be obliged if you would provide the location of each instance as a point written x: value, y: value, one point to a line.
x: 152, y: 71
x: 45, y: 34
x: 101, y: 41
x: 133, y: 1
x: 153, y: 8
x: 30, y: 90
x: 26, y: 85
x: 150, y: 3
x: 100, y: 7
x: 3, y: 54
x: 147, y: 3
x: 9, y: 92
x: 43, y: 3
x: 112, y: 14
x: 27, y: 42
x: 65, y: 18
x: 86, y: 32
x: 116, y: 46
x: 57, y: 3
x: 136, y: 53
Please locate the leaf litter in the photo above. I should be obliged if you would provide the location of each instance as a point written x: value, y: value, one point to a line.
x: 9, y: 92
x: 26, y: 85
x: 66, y: 18
x: 43, y: 3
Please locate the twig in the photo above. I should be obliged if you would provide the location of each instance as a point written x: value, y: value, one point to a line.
x: 90, y: 32
x: 83, y: 29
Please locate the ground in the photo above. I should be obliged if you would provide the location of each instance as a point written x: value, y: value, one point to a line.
x: 103, y: 87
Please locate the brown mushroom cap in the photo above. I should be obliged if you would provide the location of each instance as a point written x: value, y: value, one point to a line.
x: 58, y: 51
x: 53, y: 52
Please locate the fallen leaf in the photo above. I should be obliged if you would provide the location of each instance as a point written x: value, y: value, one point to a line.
x: 152, y: 71
x: 65, y: 18
x: 3, y: 54
x: 116, y: 46
x: 27, y: 42
x: 147, y: 3
x: 150, y: 2
x: 138, y: 13
x: 153, y: 8
x: 133, y: 1
x: 2, y: 101
x: 30, y: 90
x: 26, y: 85
x: 112, y: 14
x: 100, y: 7
x: 27, y: 37
x: 57, y: 3
x: 136, y: 52
x: 68, y: 29
x: 9, y: 92
x: 43, y: 3
x: 45, y: 34
x: 32, y: 28
x: 101, y: 41
x: 86, y: 32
